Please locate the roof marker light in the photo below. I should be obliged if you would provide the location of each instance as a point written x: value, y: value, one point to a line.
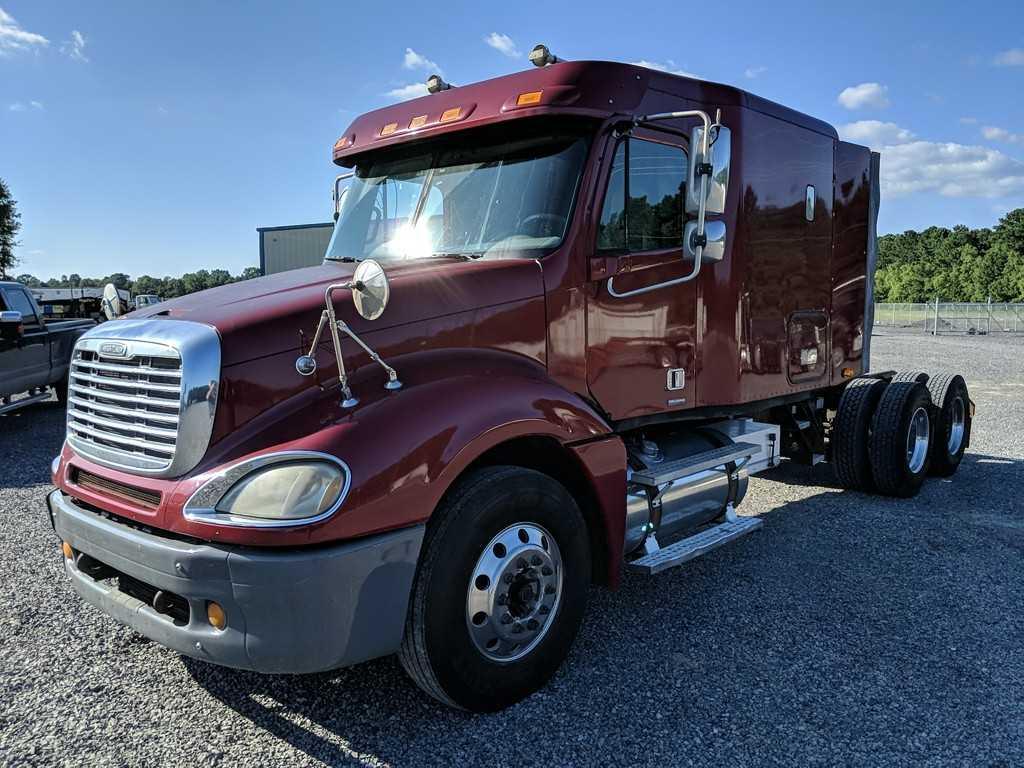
x: 417, y: 122
x: 343, y: 142
x: 541, y: 56
x: 530, y: 97
x: 435, y: 83
x: 451, y: 114
x: 388, y: 129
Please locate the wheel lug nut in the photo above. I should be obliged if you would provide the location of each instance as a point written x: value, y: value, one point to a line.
x: 502, y: 599
x: 549, y: 589
x: 545, y: 610
x: 521, y: 563
x: 517, y: 628
x: 546, y: 570
x: 507, y: 578
x: 532, y: 624
x: 506, y: 618
x: 535, y: 560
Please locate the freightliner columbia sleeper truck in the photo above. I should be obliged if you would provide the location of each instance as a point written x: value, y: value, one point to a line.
x: 564, y: 315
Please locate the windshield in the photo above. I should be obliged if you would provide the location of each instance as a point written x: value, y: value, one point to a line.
x: 502, y: 197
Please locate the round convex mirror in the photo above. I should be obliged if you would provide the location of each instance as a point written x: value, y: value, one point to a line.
x: 370, y: 289
x: 111, y: 302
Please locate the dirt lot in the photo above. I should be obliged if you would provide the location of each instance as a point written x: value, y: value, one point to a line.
x: 851, y: 630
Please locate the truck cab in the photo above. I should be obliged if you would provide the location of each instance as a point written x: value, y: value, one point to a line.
x: 563, y: 316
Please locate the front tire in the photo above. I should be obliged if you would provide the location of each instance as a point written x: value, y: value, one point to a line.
x: 500, y: 590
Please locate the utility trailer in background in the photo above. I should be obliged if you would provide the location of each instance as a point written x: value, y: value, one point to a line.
x: 564, y: 314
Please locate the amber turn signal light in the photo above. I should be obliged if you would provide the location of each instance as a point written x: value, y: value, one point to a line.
x: 69, y: 553
x: 215, y: 615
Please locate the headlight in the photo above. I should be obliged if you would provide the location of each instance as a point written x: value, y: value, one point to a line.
x: 286, y: 492
x: 288, y: 488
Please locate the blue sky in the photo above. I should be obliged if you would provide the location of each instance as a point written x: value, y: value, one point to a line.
x: 155, y: 137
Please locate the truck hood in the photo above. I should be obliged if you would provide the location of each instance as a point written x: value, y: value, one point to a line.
x: 270, y: 315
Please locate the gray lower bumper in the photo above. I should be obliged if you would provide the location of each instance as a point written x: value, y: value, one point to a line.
x: 298, y: 610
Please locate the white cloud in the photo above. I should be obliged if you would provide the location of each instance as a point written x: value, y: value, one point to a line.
x: 75, y: 47
x: 668, y: 66
x: 968, y: 121
x: 952, y: 170
x: 415, y: 60
x: 1011, y: 58
x: 865, y: 95
x: 503, y: 44
x: 752, y: 73
x: 36, y: 104
x: 911, y: 165
x: 874, y: 133
x: 992, y: 133
x: 410, y: 91
x: 14, y: 39
x: 17, y: 107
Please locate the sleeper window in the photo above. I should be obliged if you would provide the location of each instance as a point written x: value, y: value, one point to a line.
x: 643, y: 207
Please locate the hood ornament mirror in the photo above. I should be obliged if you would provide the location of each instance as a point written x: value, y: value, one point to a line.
x: 370, y: 294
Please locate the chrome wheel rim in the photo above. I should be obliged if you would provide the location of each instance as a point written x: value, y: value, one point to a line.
x: 917, y: 440
x: 514, y: 592
x: 956, y: 426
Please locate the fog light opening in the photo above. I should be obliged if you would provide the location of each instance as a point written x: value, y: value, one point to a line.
x: 216, y: 616
x: 69, y: 553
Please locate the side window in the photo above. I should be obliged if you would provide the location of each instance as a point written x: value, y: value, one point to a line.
x: 611, y: 230
x: 20, y: 302
x: 643, y: 207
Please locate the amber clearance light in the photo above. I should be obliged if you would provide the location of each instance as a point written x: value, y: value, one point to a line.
x: 530, y: 97
x: 388, y: 129
x: 451, y: 114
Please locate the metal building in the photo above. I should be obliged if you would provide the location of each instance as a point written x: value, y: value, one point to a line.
x: 301, y: 245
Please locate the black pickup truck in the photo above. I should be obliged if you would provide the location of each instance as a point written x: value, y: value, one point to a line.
x: 34, y: 354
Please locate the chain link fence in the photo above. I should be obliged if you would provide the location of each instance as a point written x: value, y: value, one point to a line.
x: 948, y: 317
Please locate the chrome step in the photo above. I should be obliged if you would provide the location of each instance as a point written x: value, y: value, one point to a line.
x: 695, y: 546
x: 660, y: 474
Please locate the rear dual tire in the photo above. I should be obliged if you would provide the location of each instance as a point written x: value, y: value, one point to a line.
x: 899, y: 444
x: 952, y: 405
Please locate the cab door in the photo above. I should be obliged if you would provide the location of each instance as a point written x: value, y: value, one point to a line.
x: 641, y: 348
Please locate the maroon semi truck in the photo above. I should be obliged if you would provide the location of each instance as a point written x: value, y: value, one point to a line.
x: 563, y: 316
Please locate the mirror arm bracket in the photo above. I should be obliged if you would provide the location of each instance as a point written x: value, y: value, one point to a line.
x: 306, y: 365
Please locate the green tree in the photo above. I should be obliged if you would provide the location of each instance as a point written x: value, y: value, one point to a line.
x: 10, y: 225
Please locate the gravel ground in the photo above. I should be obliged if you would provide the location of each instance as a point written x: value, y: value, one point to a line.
x: 851, y: 630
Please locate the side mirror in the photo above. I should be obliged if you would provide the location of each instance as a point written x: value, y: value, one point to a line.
x: 714, y: 251
x: 11, y: 324
x: 718, y: 183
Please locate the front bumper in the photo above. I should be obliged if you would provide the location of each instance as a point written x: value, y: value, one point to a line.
x: 288, y: 611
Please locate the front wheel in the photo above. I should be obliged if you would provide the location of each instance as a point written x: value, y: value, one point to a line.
x: 500, y: 590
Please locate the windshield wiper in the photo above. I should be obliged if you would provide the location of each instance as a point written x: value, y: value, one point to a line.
x: 456, y: 255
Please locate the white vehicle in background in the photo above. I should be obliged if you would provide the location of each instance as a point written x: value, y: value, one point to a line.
x: 146, y: 299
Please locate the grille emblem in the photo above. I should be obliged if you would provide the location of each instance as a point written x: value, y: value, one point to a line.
x: 113, y: 349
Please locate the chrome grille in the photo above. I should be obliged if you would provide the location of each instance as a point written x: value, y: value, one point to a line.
x: 130, y: 405
x: 141, y: 395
